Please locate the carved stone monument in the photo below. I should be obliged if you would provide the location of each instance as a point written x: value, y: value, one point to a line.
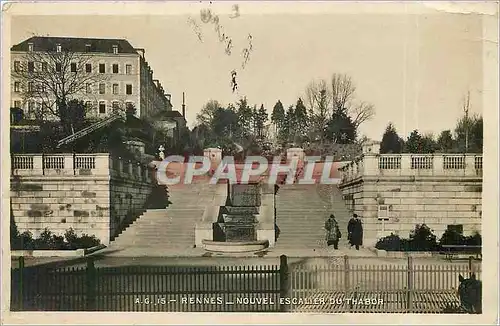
x: 239, y: 219
x: 295, y: 152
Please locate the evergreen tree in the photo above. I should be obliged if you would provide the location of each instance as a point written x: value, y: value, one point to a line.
x: 245, y: 119
x: 391, y: 142
x: 445, y: 142
x: 301, y: 119
x: 261, y: 119
x: 418, y: 144
x: 289, y: 125
x: 278, y: 119
x: 341, y: 128
x: 469, y: 130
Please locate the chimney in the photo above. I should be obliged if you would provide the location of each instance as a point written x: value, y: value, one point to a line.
x: 183, y: 106
x: 141, y: 52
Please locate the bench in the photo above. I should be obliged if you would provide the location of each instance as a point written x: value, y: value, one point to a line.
x: 450, y: 251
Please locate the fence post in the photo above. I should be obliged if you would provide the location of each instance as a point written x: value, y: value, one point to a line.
x: 284, y: 283
x: 346, y: 283
x: 409, y: 293
x: 91, y: 285
x: 21, y: 283
x: 470, y: 265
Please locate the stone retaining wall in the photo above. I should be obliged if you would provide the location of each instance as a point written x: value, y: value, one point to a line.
x: 59, y: 194
x: 415, y: 189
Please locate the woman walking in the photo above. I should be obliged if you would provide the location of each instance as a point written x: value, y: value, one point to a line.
x: 332, y: 232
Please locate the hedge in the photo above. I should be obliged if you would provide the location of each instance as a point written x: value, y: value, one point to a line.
x: 49, y: 241
x: 423, y: 239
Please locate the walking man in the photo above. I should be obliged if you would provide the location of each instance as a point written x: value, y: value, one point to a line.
x: 332, y: 232
x: 355, y: 231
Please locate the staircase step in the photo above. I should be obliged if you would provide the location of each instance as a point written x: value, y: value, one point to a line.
x: 301, y: 212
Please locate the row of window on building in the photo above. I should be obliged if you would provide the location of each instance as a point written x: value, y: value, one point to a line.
x: 115, y: 90
x: 74, y: 67
x: 42, y: 109
x: 58, y: 48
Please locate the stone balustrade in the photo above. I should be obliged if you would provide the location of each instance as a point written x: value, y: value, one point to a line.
x: 67, y: 164
x: 406, y: 165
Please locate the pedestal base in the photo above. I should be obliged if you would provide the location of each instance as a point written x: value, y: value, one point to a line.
x: 235, y: 247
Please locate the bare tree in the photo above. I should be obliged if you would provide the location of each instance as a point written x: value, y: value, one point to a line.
x: 344, y: 99
x: 361, y: 112
x: 466, y: 108
x: 340, y: 95
x: 318, y: 98
x: 53, y: 78
x: 342, y: 91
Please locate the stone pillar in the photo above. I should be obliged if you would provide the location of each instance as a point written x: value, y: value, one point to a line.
x: 130, y: 168
x: 120, y: 166
x: 437, y: 165
x: 265, y: 219
x: 295, y: 152
x: 204, y: 229
x: 370, y: 163
x: 406, y: 164
x: 37, y: 165
x: 371, y: 147
x: 102, y: 165
x: 69, y: 164
x: 213, y: 154
x: 470, y: 169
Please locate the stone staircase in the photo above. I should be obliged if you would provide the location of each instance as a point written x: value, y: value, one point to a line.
x: 173, y: 227
x: 301, y: 211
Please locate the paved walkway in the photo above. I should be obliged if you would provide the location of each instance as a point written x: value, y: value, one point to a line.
x: 198, y: 252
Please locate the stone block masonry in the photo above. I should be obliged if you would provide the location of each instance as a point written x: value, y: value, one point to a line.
x: 392, y: 193
x: 127, y: 199
x: 93, y: 194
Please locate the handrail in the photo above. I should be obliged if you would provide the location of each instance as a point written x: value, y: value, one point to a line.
x: 89, y: 129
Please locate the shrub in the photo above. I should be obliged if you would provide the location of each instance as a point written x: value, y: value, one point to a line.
x: 422, y: 239
x: 87, y: 241
x: 57, y: 242
x: 71, y: 238
x: 473, y: 240
x: 49, y: 241
x: 392, y: 243
x: 452, y: 237
x: 23, y: 241
x: 84, y: 241
x: 45, y: 241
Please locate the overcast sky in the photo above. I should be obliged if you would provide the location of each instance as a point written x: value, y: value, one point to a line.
x: 415, y: 69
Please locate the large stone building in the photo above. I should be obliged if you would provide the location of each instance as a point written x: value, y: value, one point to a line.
x: 105, y: 73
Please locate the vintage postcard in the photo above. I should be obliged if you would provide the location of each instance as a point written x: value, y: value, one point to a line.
x: 250, y: 162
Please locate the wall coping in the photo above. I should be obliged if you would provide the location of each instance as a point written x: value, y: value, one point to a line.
x: 382, y: 178
x: 415, y: 254
x: 56, y: 253
x: 446, y: 165
x: 72, y: 165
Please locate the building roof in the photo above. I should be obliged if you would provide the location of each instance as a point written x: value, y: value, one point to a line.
x: 168, y: 114
x: 75, y: 44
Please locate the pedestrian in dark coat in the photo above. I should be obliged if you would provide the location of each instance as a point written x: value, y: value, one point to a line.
x: 355, y: 229
x: 350, y: 228
x: 332, y: 232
